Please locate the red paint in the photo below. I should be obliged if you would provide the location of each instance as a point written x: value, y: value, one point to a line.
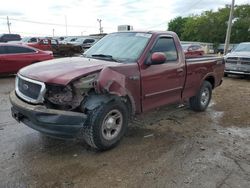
x: 11, y: 63
x: 194, y: 51
x: 158, y: 58
x: 42, y: 44
x: 147, y: 86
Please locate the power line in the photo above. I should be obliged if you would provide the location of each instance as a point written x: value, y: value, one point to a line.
x: 46, y: 23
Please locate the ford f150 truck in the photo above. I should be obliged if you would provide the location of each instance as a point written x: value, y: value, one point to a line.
x: 125, y: 73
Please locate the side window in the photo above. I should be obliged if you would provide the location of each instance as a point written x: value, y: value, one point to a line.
x: 167, y: 46
x: 18, y: 50
x: 53, y: 41
x: 88, y: 41
x: 196, y: 47
x: 45, y: 41
x: 2, y: 50
x: 191, y: 48
x: 33, y: 40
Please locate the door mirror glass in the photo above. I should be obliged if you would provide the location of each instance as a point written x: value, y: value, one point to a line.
x: 158, y: 58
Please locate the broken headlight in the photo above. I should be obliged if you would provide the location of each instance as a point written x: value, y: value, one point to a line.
x: 69, y: 97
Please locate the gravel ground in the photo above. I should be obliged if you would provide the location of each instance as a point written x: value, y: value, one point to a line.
x: 168, y: 147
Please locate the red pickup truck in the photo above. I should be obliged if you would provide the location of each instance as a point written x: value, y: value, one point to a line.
x: 125, y: 73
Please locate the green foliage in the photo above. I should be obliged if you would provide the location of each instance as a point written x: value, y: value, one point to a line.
x: 177, y: 25
x: 212, y: 26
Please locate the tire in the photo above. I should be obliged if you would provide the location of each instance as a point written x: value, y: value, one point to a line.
x: 101, y: 130
x: 201, y: 100
x: 225, y: 75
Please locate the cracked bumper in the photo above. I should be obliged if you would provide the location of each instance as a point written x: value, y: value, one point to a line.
x: 56, y: 123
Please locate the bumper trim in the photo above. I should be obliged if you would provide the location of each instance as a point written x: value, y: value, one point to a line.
x: 57, y: 123
x: 237, y: 72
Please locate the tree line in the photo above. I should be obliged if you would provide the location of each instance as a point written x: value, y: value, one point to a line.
x: 211, y: 26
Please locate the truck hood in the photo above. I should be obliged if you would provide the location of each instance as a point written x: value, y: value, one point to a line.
x: 62, y: 71
x: 238, y: 54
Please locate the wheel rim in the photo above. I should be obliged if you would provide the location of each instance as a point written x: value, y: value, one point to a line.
x: 112, y: 124
x: 205, y: 95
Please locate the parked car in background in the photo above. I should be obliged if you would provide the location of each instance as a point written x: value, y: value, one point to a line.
x: 59, y: 39
x: 14, y: 57
x: 43, y: 44
x: 238, y: 60
x: 25, y: 40
x: 9, y: 37
x: 84, y: 43
x: 192, y: 50
x: 57, y: 48
x: 221, y: 47
x: 68, y: 40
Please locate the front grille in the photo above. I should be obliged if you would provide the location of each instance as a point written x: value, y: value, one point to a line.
x: 232, y: 60
x: 245, y: 61
x: 236, y: 60
x: 30, y: 90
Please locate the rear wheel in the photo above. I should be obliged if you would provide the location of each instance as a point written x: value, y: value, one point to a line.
x: 203, y: 97
x: 106, y: 125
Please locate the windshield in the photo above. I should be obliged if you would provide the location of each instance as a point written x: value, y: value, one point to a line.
x: 185, y: 46
x: 25, y: 39
x: 243, y: 47
x: 69, y: 39
x: 80, y: 40
x: 120, y: 46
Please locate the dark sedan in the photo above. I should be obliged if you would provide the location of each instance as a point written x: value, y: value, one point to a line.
x: 13, y: 57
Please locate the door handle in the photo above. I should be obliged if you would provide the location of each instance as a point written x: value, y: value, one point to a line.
x: 180, y: 70
x: 134, y: 77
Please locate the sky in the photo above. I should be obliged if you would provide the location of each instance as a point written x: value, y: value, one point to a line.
x: 43, y: 18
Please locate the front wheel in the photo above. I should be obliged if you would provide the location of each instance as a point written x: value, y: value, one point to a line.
x: 203, y: 97
x: 106, y: 125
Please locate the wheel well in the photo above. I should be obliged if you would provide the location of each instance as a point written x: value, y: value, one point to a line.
x: 129, y: 105
x: 211, y: 80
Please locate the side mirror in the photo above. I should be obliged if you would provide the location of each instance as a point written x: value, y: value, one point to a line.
x: 158, y: 58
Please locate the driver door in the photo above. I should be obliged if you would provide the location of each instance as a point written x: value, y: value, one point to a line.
x: 163, y: 83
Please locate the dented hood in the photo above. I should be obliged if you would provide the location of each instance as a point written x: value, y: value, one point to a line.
x: 63, y: 70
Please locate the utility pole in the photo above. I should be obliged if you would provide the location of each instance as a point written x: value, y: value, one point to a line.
x: 53, y: 32
x: 8, y: 23
x: 66, y: 26
x: 229, y: 27
x: 100, y: 26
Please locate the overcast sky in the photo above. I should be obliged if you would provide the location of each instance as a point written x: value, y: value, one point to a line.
x: 39, y: 18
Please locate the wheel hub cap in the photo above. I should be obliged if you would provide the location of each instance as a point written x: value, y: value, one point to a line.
x: 112, y: 124
x: 205, y: 97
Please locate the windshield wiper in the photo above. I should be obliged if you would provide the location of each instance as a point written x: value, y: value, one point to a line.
x: 103, y: 56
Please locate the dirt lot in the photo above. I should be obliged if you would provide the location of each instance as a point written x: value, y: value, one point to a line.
x: 169, y: 147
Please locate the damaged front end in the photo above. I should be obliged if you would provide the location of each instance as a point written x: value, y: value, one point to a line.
x: 58, y: 113
x: 71, y: 96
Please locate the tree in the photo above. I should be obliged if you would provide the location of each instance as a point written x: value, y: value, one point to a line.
x: 177, y: 25
x: 211, y: 26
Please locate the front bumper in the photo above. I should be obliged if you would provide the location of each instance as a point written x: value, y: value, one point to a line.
x: 237, y: 72
x: 240, y: 69
x: 56, y: 123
